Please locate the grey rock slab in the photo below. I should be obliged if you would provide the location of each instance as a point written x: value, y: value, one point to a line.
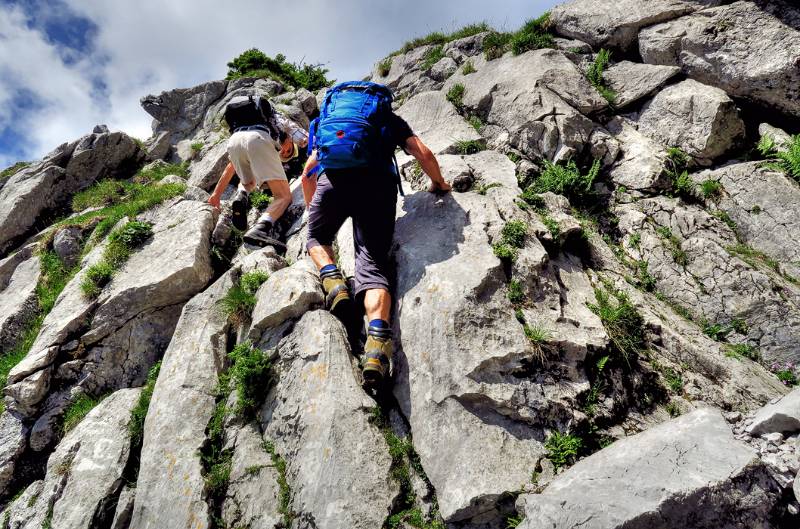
x: 534, y: 103
x: 633, y: 81
x: 84, y: 474
x: 170, y: 486
x: 205, y: 172
x: 781, y: 138
x: 337, y: 461
x: 287, y: 294
x: 700, y: 119
x: 183, y: 109
x: 605, y: 23
x: 170, y: 268
x: 443, y: 69
x: 434, y: 119
x: 764, y: 205
x: 13, y: 439
x: 252, y: 498
x: 781, y: 417
x: 67, y: 245
x: 19, y: 275
x: 641, y: 164
x: 402, y: 65
x: 715, y: 284
x: 122, y: 515
x: 748, y: 49
x: 458, y: 345
x: 688, y: 472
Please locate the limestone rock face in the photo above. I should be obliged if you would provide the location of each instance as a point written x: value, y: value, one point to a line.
x: 632, y: 81
x: 641, y: 165
x: 38, y: 190
x: 782, y: 416
x: 19, y: 274
x: 748, y: 49
x: 700, y: 119
x: 337, y: 462
x: 435, y: 120
x: 687, y: 472
x: 84, y: 474
x: 602, y: 23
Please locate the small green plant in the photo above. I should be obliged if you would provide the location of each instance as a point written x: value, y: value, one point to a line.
x: 468, y: 68
x: 562, y: 449
x: 432, y: 56
x: 595, y: 75
x: 788, y: 160
x: 514, y: 233
x: 385, y: 66
x: 476, y: 122
x: 716, y: 331
x: 533, y: 35
x: 470, y: 146
x: 121, y: 244
x: 645, y: 279
x: 484, y: 188
x: 516, y: 293
x: 251, y: 375
x: 77, y: 410
x: 742, y: 350
x: 514, y: 521
x: 216, y: 480
x: 766, y: 146
x: 157, y: 172
x: 566, y: 180
x: 674, y: 244
x: 259, y: 199
x: 284, y: 490
x: 551, y: 224
x: 139, y: 412
x: 677, y: 168
x: 197, y: 147
x: 753, y: 257
x: 495, y: 44
x: 240, y: 300
x: 786, y: 373
x: 724, y: 217
x: 635, y: 240
x: 711, y: 189
x: 674, y: 380
x: 674, y: 409
x: 623, y: 323
x: 504, y: 252
x: 514, y: 157
x: 456, y: 96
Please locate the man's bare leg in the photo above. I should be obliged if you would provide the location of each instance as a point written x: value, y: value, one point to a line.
x: 378, y: 304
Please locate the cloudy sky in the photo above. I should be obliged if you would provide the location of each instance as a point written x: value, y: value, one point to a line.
x: 66, y: 65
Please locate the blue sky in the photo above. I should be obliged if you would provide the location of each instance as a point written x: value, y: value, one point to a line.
x: 66, y: 65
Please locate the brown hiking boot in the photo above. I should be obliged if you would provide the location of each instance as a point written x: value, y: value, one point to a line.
x: 337, y: 295
x: 376, y: 362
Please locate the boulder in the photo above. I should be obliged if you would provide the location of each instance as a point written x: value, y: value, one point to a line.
x: 67, y: 244
x: 748, y: 49
x: 781, y: 138
x: 287, y: 294
x: 13, y: 438
x: 337, y: 461
x: 37, y: 191
x: 170, y: 486
x: 434, y: 119
x: 700, y: 119
x: 633, y: 81
x: 205, y: 172
x: 443, y: 69
x: 763, y: 204
x: 404, y: 67
x: 534, y: 103
x: 85, y: 473
x: 461, y: 352
x: 641, y: 164
x: 252, y: 499
x: 19, y: 274
x: 782, y: 416
x: 607, y: 24
x: 689, y: 472
x: 183, y: 109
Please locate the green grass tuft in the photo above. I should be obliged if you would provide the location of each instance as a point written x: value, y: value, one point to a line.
x: 259, y: 199
x: 385, y: 66
x: 470, y: 146
x: 251, y: 375
x: 456, y: 96
x: 139, y: 412
x: 753, y: 257
x: 516, y: 294
x: 468, y: 68
x: 284, y: 490
x: 432, y: 56
x: 534, y: 34
x: 788, y: 161
x: 121, y: 244
x: 677, y: 168
x: 623, y: 323
x: 711, y: 189
x: 197, y: 147
x: 595, y: 75
x: 240, y: 300
x: 8, y: 172
x: 512, y: 237
x: 562, y: 449
x: 77, y: 410
x: 566, y: 180
x: 439, y: 38
x: 476, y: 122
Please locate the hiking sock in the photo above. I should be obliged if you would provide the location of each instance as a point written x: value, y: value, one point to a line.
x: 379, y: 324
x: 328, y: 268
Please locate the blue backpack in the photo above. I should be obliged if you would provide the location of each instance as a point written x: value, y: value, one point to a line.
x: 353, y: 126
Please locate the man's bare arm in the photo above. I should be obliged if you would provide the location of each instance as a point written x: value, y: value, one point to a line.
x: 309, y: 182
x: 223, y: 183
x: 428, y: 162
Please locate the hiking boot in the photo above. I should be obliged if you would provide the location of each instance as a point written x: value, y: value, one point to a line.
x: 377, y: 358
x: 337, y: 295
x: 239, y: 207
x: 263, y: 234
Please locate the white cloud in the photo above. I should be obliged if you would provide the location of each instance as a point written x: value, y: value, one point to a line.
x: 151, y: 45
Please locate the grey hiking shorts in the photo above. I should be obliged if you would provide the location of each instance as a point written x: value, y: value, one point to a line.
x: 370, y: 200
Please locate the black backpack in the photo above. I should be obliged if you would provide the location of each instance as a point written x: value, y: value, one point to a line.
x: 249, y: 111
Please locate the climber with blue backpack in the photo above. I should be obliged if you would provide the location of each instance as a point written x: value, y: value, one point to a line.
x: 353, y: 142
